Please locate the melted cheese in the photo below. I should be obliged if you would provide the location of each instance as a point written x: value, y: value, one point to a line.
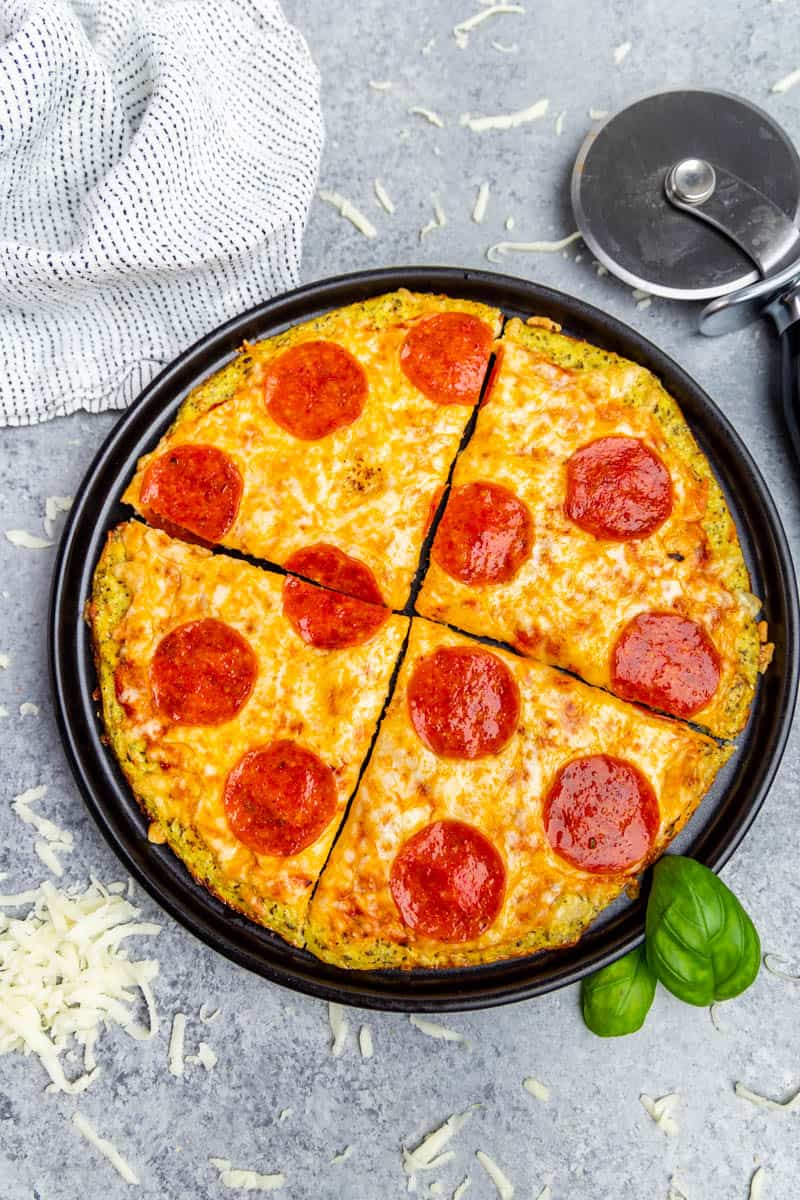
x: 328, y: 701
x: 367, y: 488
x: 353, y: 919
x: 574, y: 594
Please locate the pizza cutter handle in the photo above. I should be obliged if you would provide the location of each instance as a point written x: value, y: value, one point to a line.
x: 790, y: 381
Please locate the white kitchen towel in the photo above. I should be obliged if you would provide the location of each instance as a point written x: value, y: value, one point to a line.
x: 157, y: 161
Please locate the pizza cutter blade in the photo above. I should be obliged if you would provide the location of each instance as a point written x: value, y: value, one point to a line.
x: 695, y: 195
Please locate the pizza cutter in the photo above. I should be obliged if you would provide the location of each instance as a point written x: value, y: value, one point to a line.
x: 695, y: 195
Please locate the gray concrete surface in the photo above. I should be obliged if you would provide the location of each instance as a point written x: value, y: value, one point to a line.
x: 593, y: 1140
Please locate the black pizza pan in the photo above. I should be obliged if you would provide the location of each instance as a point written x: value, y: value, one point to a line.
x: 712, y: 835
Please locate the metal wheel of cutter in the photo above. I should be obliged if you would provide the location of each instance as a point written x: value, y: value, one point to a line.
x: 695, y: 195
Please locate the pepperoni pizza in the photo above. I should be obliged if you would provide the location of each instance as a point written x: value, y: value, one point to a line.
x: 502, y: 803
x: 336, y: 431
x: 240, y: 705
x: 585, y: 528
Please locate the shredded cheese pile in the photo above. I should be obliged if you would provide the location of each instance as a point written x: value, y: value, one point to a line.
x: 65, y: 974
x: 662, y: 1112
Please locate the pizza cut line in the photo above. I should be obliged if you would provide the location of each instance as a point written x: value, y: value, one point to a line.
x: 435, y: 801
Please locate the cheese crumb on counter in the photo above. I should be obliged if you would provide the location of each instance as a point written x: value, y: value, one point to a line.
x: 505, y: 120
x: 383, y: 197
x: 433, y: 1029
x: 26, y: 541
x: 462, y: 30
x: 537, y: 1089
x: 28, y: 709
x: 205, y: 1057
x: 662, y: 1112
x: 245, y: 1180
x: 462, y: 1188
x: 350, y: 213
x: 339, y: 1028
x: 53, y: 507
x: 176, y: 1043
x: 505, y: 1188
x: 757, y: 1184
x: 380, y: 85
x: 496, y: 252
x: 428, y: 114
x: 428, y: 1154
x: 621, y: 52
x: 5, y: 662
x: 774, y: 964
x: 365, y: 1041
x: 342, y: 1156
x: 789, y: 81
x: 105, y: 1147
x: 764, y: 1101
x: 481, y: 203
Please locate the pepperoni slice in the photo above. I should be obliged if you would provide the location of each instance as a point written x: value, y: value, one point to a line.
x: 202, y: 673
x: 448, y: 882
x: 446, y: 356
x: 315, y: 388
x: 463, y: 702
x: 618, y: 489
x: 331, y: 567
x: 665, y: 661
x: 193, y: 488
x: 484, y: 536
x: 279, y: 798
x: 601, y: 814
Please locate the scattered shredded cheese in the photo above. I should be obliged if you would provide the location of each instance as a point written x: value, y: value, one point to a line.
x: 27, y: 709
x: 505, y: 1188
x: 105, y: 1147
x: 712, y: 1012
x: 285, y: 1113
x: 645, y: 302
x: 349, y: 212
x: 509, y: 224
x: 53, y: 506
x: 380, y: 85
x: 662, y: 1112
x: 244, y: 1179
x: 788, y: 81
x: 26, y: 541
x: 365, y: 1041
x: 176, y: 1040
x: 46, y: 829
x: 205, y: 1016
x: 462, y: 1188
x: 481, y: 203
x: 621, y: 52
x: 537, y: 1089
x: 436, y: 1188
x: 342, y: 1156
x: 757, y: 1184
x: 428, y: 47
x: 496, y: 252
x: 771, y: 961
x: 560, y: 122
x: 505, y: 120
x: 462, y: 31
x: 433, y: 1030
x: 430, y: 116
x: 5, y: 662
x: 676, y: 1192
x: 47, y: 853
x: 438, y: 221
x: 427, y: 1155
x: 503, y: 49
x: 339, y: 1028
x: 764, y: 1101
x: 3, y: 710
x: 598, y: 114
x: 205, y: 1057
x: 383, y: 197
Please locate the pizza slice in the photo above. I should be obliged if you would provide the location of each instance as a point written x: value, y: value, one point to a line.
x: 504, y: 805
x: 240, y: 705
x: 336, y: 432
x: 585, y: 528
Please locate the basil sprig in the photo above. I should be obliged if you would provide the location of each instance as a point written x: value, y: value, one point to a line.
x: 617, y: 999
x: 700, y: 944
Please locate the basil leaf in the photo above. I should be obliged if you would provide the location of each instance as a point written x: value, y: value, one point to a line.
x: 700, y: 942
x: 617, y: 998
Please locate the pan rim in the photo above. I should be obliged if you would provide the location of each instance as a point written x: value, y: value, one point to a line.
x: 457, y: 989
